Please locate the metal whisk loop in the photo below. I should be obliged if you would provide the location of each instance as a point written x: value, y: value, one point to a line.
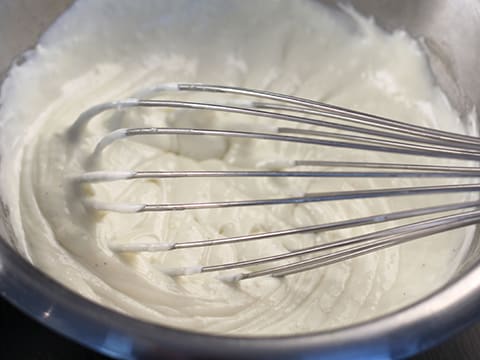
x: 358, y: 131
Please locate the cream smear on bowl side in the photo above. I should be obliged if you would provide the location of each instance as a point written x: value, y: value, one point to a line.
x: 103, y: 51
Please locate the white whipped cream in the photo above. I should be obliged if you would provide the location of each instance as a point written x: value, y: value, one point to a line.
x: 100, y: 51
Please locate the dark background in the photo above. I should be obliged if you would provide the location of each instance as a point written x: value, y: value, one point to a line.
x: 22, y: 338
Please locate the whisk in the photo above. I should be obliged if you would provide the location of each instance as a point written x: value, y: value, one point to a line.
x: 358, y: 131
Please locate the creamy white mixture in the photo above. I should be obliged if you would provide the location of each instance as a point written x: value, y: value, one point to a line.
x: 106, y: 50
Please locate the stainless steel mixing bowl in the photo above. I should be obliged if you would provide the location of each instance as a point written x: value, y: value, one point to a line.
x: 450, y: 30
